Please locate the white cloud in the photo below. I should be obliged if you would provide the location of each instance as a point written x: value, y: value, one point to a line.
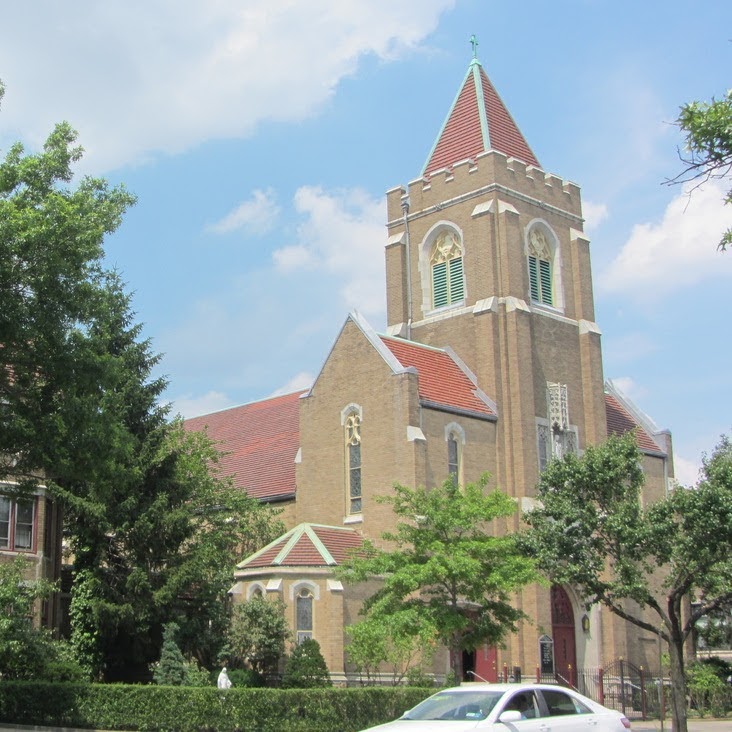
x: 628, y: 386
x: 303, y: 380
x: 679, y: 251
x: 686, y: 471
x: 343, y: 234
x: 177, y: 73
x: 594, y: 213
x: 189, y: 406
x: 257, y: 215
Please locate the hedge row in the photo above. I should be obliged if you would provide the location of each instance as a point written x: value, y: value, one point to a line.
x: 126, y: 707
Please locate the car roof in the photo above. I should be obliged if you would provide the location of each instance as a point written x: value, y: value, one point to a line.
x: 502, y: 687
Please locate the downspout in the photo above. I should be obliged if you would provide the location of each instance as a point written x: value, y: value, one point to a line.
x: 405, y: 211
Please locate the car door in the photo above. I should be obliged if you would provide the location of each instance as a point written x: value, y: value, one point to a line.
x: 526, y: 702
x: 564, y: 712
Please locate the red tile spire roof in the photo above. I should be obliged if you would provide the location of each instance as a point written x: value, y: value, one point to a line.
x: 478, y: 121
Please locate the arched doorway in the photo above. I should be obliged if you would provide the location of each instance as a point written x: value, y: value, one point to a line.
x: 565, y: 650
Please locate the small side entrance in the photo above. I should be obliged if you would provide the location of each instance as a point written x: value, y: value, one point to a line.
x: 563, y: 632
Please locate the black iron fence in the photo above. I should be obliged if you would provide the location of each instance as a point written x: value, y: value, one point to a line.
x: 619, y: 685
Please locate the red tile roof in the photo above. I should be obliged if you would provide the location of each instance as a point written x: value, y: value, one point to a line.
x: 258, y: 442
x: 620, y: 420
x: 307, y: 545
x: 442, y: 381
x: 478, y: 121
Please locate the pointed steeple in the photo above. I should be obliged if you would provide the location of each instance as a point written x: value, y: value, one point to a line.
x: 477, y: 122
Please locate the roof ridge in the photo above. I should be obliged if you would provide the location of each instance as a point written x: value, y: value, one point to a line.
x: 409, y: 342
x: 247, y: 404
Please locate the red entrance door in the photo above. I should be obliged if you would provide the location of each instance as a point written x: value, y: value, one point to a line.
x: 565, y: 651
x: 486, y: 658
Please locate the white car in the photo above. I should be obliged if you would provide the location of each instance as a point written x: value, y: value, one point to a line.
x: 507, y: 708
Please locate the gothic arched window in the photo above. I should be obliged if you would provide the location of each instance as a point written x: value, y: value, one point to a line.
x: 352, y: 426
x: 446, y: 266
x: 304, y: 614
x: 455, y: 438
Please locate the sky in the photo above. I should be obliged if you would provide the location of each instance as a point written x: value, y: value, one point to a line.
x: 260, y: 138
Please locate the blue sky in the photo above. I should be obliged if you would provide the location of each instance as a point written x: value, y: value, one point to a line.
x: 260, y: 138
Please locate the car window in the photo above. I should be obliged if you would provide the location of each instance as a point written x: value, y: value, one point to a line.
x: 524, y: 702
x: 456, y: 705
x: 559, y: 703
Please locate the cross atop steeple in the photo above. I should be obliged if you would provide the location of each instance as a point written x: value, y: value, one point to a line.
x: 474, y: 44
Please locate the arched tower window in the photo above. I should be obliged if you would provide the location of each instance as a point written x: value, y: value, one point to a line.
x: 540, y: 257
x: 352, y: 429
x: 446, y: 266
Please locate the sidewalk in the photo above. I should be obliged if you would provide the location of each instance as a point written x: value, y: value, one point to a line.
x: 695, y: 725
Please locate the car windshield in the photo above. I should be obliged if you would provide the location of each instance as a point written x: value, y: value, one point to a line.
x: 456, y: 705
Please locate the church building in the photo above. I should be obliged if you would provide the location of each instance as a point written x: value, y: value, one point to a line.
x: 491, y: 362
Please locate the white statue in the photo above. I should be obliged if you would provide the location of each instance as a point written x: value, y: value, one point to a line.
x: 224, y: 681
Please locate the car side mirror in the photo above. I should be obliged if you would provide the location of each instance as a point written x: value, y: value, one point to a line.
x: 510, y: 716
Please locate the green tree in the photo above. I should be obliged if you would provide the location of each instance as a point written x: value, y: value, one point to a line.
x: 258, y: 634
x: 447, y: 565
x: 172, y: 669
x: 153, y: 532
x: 305, y: 667
x: 707, y: 153
x: 163, y: 549
x: 24, y: 650
x: 402, y: 641
x: 592, y: 531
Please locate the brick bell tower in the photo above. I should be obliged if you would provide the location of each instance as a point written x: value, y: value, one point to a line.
x: 486, y: 254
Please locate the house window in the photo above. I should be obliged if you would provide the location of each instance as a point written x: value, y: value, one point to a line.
x: 16, y: 524
x: 540, y: 267
x: 446, y: 264
x: 353, y: 449
x: 304, y: 614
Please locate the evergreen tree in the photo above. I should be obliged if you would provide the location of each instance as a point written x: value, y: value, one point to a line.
x: 153, y: 532
x: 172, y: 668
x: 305, y: 668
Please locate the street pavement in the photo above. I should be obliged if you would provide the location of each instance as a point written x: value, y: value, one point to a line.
x: 695, y: 725
x: 637, y: 725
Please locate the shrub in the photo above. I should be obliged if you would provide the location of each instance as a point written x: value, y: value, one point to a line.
x: 153, y: 707
x: 708, y: 693
x: 173, y: 669
x: 306, y: 667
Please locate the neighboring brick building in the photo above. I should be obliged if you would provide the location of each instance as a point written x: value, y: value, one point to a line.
x: 491, y: 363
x: 30, y: 527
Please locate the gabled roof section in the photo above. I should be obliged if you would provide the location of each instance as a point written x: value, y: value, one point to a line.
x: 258, y: 442
x: 444, y: 383
x: 477, y: 122
x: 307, y: 545
x: 623, y: 416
